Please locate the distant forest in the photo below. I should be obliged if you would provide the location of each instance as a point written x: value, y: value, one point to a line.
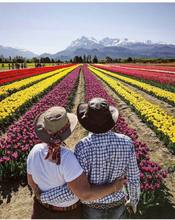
x: 81, y: 59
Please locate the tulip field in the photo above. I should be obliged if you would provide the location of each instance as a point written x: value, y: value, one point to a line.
x: 20, y: 136
x: 147, y: 91
x: 163, y: 123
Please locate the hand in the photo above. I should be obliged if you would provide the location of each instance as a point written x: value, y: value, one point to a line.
x: 37, y: 192
x: 131, y: 207
x: 119, y: 183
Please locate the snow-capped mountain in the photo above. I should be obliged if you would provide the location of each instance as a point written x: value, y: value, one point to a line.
x: 116, y: 48
x: 84, y: 42
x: 92, y: 43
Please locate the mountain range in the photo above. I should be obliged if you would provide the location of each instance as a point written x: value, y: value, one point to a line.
x: 12, y: 52
x: 112, y: 47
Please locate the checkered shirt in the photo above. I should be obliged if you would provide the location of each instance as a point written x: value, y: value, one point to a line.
x: 104, y: 157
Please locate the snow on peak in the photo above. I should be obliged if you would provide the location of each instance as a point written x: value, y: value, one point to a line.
x: 84, y: 42
x: 92, y: 43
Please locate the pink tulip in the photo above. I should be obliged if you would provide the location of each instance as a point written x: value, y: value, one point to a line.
x: 15, y: 155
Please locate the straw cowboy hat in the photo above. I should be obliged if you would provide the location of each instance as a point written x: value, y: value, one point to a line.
x: 55, y: 124
x: 97, y: 115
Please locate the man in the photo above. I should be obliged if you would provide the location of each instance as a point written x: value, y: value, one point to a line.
x: 104, y: 156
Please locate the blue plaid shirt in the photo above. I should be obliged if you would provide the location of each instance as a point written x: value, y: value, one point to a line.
x: 104, y: 157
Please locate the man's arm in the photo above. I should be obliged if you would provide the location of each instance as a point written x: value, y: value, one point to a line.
x: 80, y: 188
x: 57, y: 195
x: 133, y: 176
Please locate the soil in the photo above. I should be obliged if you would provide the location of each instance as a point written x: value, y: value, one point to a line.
x: 79, y: 132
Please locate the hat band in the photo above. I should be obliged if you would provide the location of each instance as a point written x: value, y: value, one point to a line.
x: 57, y: 135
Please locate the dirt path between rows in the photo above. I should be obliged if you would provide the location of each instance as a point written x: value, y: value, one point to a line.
x: 158, y: 151
x: 79, y: 132
x: 20, y: 204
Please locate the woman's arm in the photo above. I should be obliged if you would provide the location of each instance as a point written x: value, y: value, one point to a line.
x: 88, y: 192
x: 31, y: 183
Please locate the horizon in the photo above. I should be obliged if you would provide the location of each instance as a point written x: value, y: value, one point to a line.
x: 51, y: 27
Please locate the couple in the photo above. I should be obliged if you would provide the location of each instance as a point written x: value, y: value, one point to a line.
x: 94, y: 174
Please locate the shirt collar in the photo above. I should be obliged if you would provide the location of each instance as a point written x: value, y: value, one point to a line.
x: 100, y: 134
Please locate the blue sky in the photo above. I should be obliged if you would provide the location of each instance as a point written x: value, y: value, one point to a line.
x: 50, y: 27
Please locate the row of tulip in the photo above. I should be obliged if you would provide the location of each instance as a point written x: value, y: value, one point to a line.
x: 157, y: 118
x: 151, y: 67
x: 14, y: 104
x: 163, y: 78
x: 158, y: 92
x: 8, y: 89
x: 14, y: 75
x: 20, y: 136
x: 151, y: 174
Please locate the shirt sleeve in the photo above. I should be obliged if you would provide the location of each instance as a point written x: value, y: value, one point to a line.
x: 29, y: 163
x: 71, y: 167
x: 82, y: 157
x: 133, y: 175
x: 57, y: 195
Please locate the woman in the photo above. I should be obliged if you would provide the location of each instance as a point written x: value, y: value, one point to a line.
x: 50, y: 164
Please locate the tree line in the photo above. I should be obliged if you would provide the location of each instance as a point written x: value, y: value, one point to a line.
x: 137, y: 60
x: 84, y: 59
x: 18, y: 60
